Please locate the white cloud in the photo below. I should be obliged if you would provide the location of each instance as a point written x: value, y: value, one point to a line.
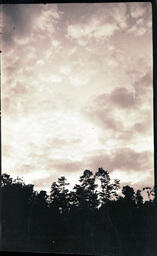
x: 56, y: 44
x: 95, y: 30
x: 66, y: 70
x: 105, y: 31
x: 47, y: 20
x: 82, y: 42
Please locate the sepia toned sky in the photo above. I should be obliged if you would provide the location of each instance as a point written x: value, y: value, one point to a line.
x: 77, y: 91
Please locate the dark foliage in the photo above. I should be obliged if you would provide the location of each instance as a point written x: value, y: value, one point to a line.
x: 93, y: 218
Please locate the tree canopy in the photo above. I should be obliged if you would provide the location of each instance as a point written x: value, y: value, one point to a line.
x: 97, y: 216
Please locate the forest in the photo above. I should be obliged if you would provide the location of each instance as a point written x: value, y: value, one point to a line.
x: 97, y: 217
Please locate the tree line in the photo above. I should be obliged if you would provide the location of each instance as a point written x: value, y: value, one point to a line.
x: 96, y: 217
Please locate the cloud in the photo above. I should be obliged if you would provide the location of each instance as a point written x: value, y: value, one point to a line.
x: 105, y: 119
x: 124, y: 114
x: 76, y: 90
x: 21, y: 24
x: 105, y: 31
x: 60, y: 142
x: 27, y: 57
x: 93, y: 30
x: 144, y: 82
x: 104, y: 21
x: 122, y: 159
x: 101, y: 24
x: 138, y: 9
x: 141, y: 126
x: 141, y: 19
x: 45, y: 23
x: 103, y: 109
x: 64, y: 166
x: 15, y: 19
x: 121, y: 97
x: 121, y: 163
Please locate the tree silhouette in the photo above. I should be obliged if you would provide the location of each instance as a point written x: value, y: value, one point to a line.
x: 86, y: 194
x: 129, y: 195
x: 108, y: 189
x: 138, y: 198
x: 16, y: 200
x: 90, y: 219
x: 59, y: 195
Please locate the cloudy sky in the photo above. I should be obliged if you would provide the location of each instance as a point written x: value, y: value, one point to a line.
x: 77, y: 91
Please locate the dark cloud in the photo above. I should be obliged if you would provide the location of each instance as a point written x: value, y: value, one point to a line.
x: 105, y: 119
x: 101, y: 112
x: 101, y: 109
x: 66, y: 166
x: 140, y: 127
x: 143, y: 86
x: 21, y: 21
x: 122, y: 98
x: 18, y: 20
x: 128, y: 159
x: 144, y: 92
x: 123, y: 159
x: 143, y: 127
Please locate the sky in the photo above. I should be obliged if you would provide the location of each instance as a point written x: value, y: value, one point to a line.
x: 77, y: 91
